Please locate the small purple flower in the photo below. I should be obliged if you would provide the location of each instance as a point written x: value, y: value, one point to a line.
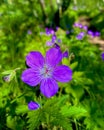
x: 59, y: 40
x: 96, y: 34
x: 66, y: 54
x: 53, y: 41
x: 91, y: 33
x: 49, y: 31
x: 46, y: 71
x: 52, y: 31
x: 80, y: 25
x: 67, y: 32
x: 29, y: 32
x: 76, y: 24
x: 102, y: 55
x: 85, y: 27
x: 57, y: 28
x: 54, y: 38
x: 49, y: 43
x: 33, y: 105
x: 80, y: 36
x: 7, y: 78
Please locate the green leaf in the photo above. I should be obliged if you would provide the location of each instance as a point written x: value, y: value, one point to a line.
x: 74, y: 65
x: 21, y: 109
x: 74, y: 111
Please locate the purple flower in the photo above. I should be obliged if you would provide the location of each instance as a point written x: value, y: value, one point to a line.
x: 29, y: 32
x: 66, y: 54
x: 57, y: 28
x: 33, y: 105
x: 54, y: 38
x: 46, y: 71
x: 97, y: 34
x: 80, y: 25
x: 76, y: 24
x: 48, y: 43
x: 80, y: 36
x: 85, y: 27
x: 102, y: 55
x: 49, y: 31
x: 59, y: 40
x: 7, y: 78
x: 53, y: 41
x: 91, y: 33
x: 67, y: 32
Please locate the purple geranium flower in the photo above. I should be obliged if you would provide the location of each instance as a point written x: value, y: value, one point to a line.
x: 53, y: 41
x: 80, y: 36
x: 49, y: 43
x: 33, y: 105
x: 49, y: 31
x: 46, y: 71
x: 29, y: 32
x: 102, y: 55
x: 54, y: 38
x: 85, y: 27
x: 76, y: 24
x: 66, y: 54
x: 97, y: 34
x: 59, y: 40
x: 91, y: 33
x: 67, y: 32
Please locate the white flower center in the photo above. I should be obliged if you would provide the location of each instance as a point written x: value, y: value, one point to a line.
x: 46, y: 71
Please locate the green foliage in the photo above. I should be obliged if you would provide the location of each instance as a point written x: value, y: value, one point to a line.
x: 49, y: 115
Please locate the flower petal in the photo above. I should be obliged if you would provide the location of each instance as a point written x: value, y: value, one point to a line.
x: 33, y: 105
x: 34, y: 59
x: 53, y: 56
x: 48, y: 87
x: 31, y: 77
x: 62, y: 73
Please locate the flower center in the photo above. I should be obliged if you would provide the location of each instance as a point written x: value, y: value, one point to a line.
x: 46, y: 71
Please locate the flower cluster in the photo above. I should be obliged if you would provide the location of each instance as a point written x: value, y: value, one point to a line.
x: 93, y: 34
x: 86, y: 31
x: 54, y: 39
x: 79, y: 25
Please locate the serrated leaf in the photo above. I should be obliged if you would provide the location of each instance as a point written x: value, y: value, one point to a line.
x: 73, y: 111
x: 21, y: 109
x: 35, y: 118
